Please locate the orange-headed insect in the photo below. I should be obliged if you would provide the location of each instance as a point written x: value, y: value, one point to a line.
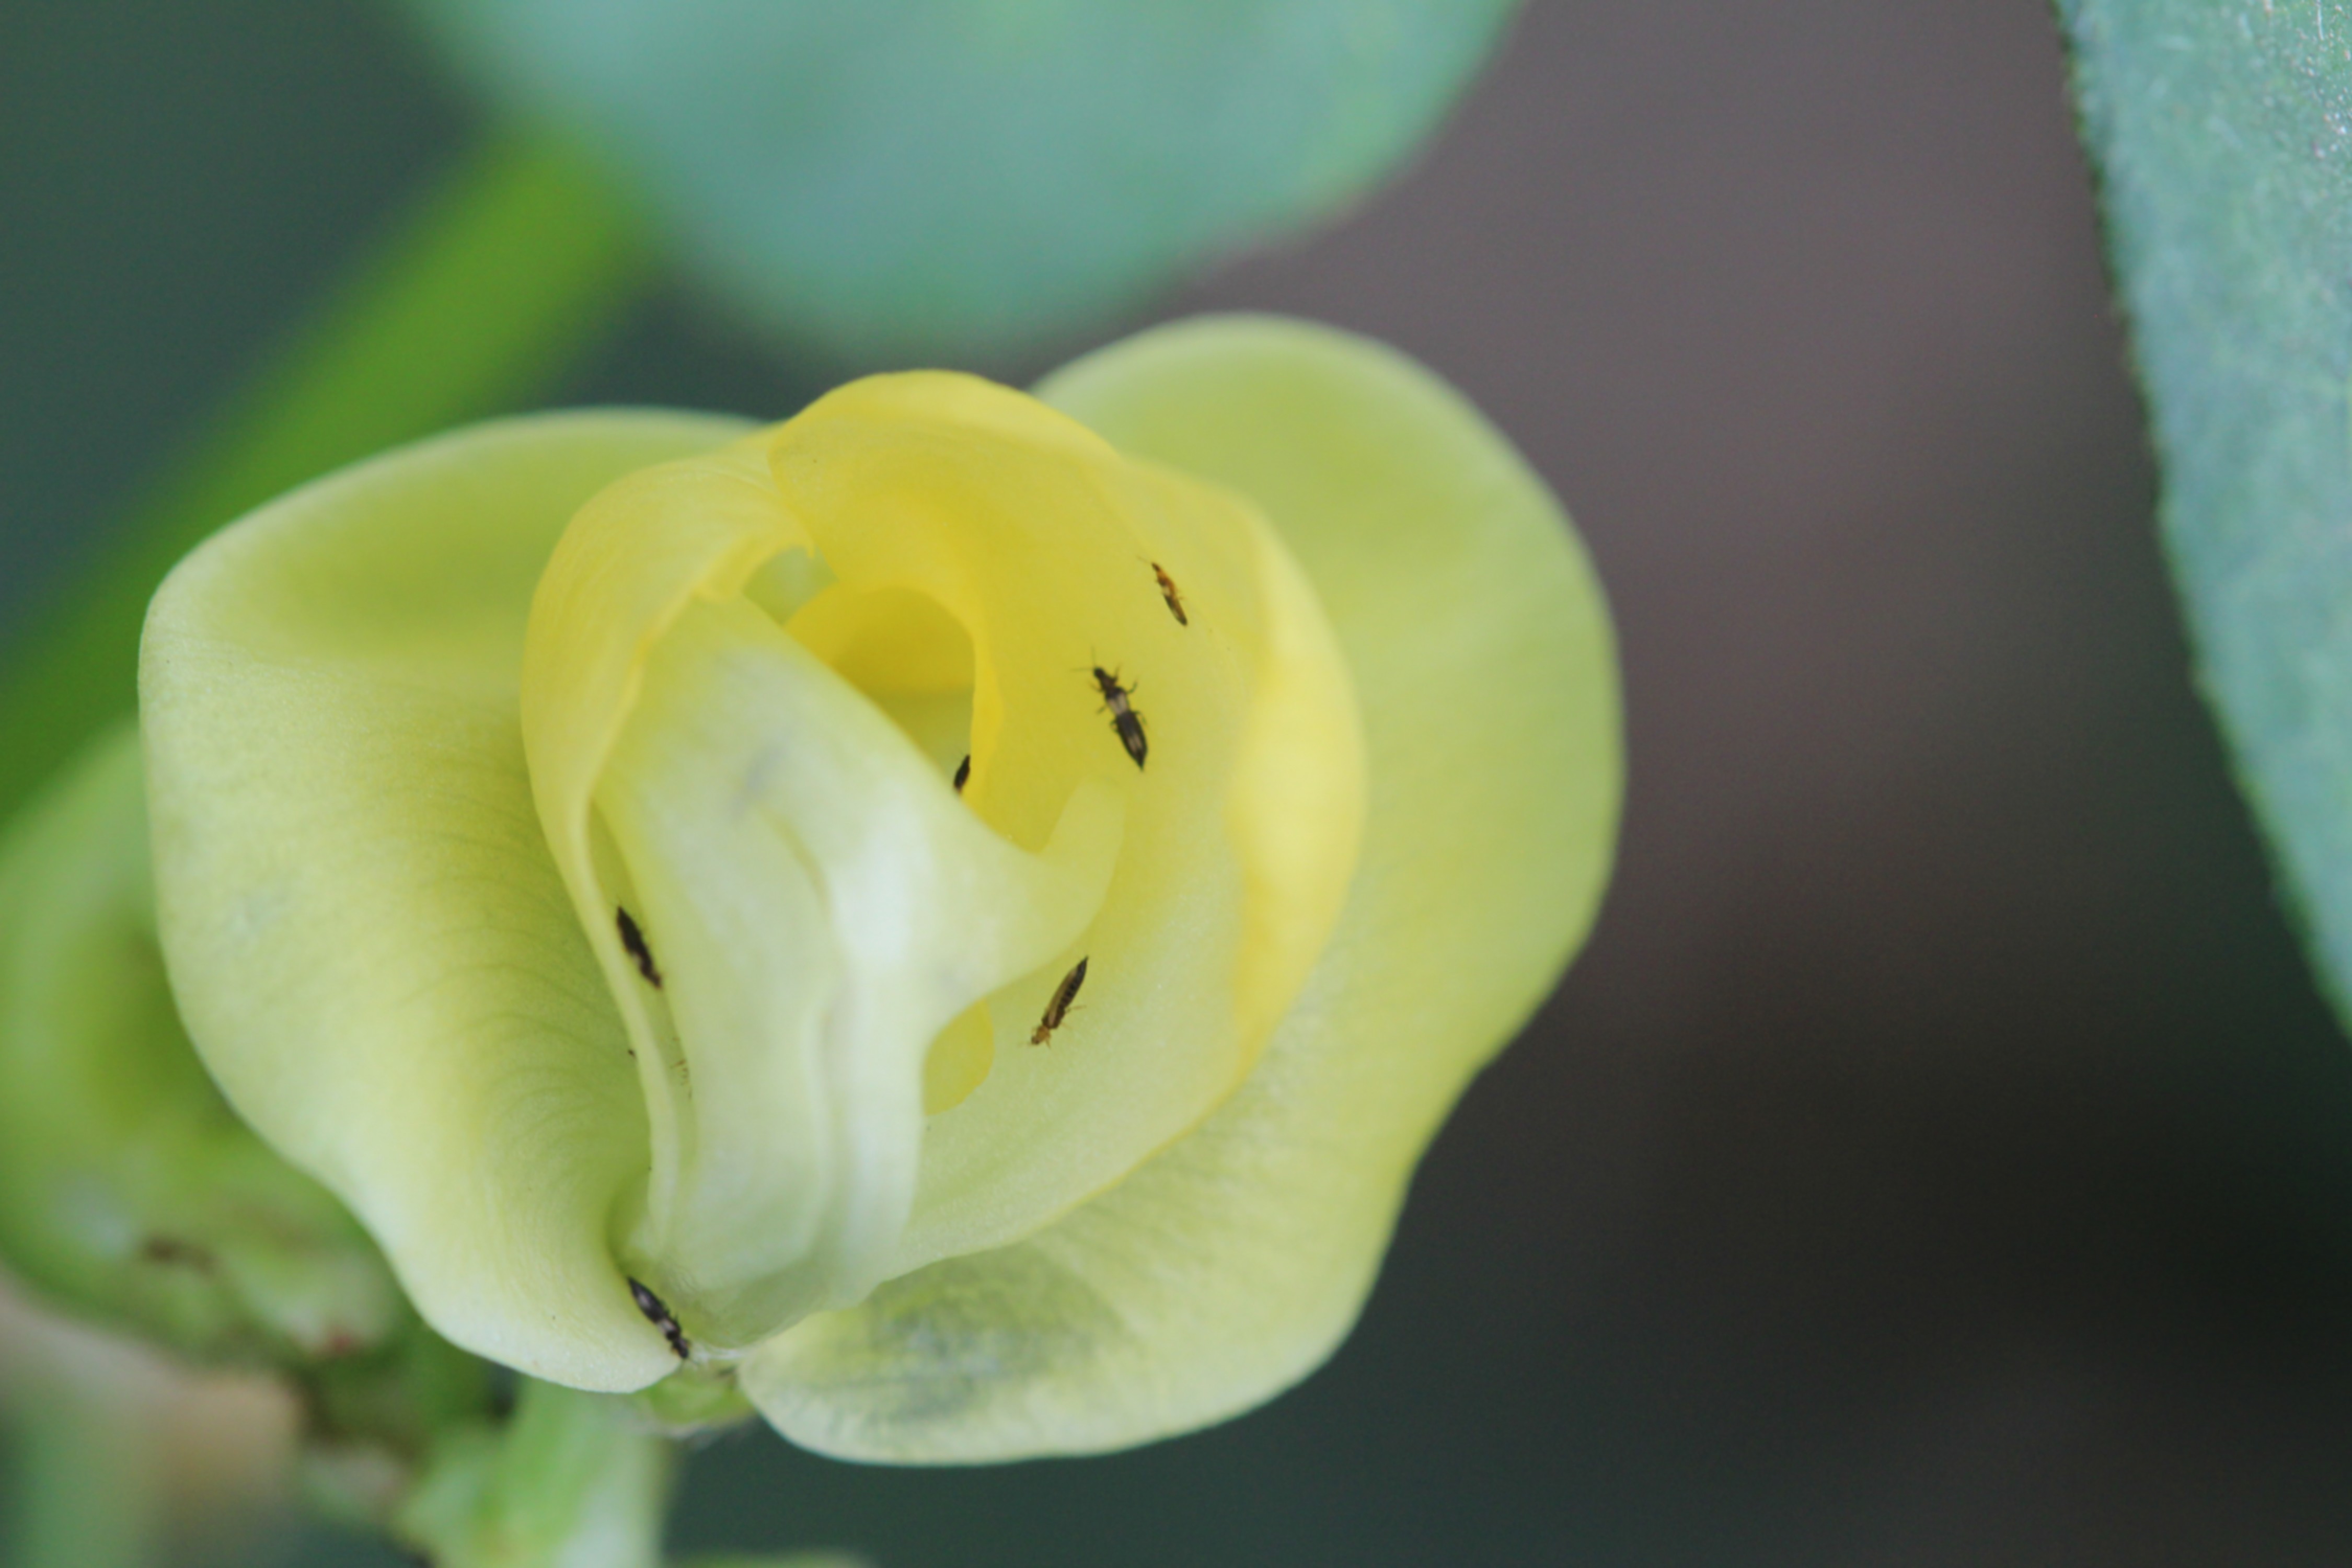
x: 1059, y: 1008
x: 1168, y: 592
x: 1123, y: 716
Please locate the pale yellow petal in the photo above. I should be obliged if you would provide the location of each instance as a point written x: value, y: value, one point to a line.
x: 749, y: 691
x: 820, y: 907
x: 366, y: 934
x: 1479, y: 644
x: 1041, y: 543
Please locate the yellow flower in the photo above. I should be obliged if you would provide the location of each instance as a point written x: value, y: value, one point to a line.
x: 960, y: 910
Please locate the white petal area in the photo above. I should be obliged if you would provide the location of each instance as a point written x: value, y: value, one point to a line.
x: 819, y: 906
x: 366, y: 934
x: 1229, y: 1265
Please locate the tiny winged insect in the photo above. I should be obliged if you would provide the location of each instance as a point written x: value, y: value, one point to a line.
x: 659, y: 1316
x: 633, y: 942
x: 1168, y: 592
x: 172, y: 1250
x: 964, y: 772
x: 1059, y: 1008
x: 1123, y: 716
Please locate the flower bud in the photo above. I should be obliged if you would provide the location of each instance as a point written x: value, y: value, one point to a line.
x: 129, y: 1194
x: 958, y: 916
x: 814, y: 911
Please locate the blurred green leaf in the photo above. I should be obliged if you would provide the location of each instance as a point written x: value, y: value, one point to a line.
x: 904, y: 180
x: 84, y: 1492
x: 130, y: 1192
x: 2223, y: 138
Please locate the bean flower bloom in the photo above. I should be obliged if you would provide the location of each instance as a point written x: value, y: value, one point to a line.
x: 956, y: 913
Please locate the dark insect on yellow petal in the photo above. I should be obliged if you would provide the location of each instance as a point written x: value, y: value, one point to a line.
x: 964, y: 772
x: 659, y: 1314
x: 639, y: 953
x: 1059, y: 1008
x: 1123, y: 716
x: 1168, y: 592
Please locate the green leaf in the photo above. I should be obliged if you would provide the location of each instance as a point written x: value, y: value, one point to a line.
x: 2223, y: 138
x: 905, y: 179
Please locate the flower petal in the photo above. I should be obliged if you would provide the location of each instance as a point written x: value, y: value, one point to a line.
x: 750, y: 679
x: 366, y: 934
x: 824, y: 906
x: 1231, y: 1265
x: 1242, y: 830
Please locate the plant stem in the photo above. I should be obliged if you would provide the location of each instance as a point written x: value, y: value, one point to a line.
x: 573, y: 1480
x: 492, y: 283
x: 84, y: 1491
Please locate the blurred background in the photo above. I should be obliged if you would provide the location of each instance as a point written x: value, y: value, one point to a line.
x: 1939, y: 1155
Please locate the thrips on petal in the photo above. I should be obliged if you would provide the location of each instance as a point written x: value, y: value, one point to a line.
x: 1059, y: 1008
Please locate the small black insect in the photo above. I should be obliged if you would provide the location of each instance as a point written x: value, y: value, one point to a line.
x: 963, y: 772
x: 172, y: 1250
x: 1059, y: 1008
x: 659, y: 1316
x: 1168, y: 592
x: 1123, y: 716
x: 634, y: 941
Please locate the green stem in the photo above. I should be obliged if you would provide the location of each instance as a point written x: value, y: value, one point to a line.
x: 493, y: 283
x: 84, y: 1489
x: 571, y: 1481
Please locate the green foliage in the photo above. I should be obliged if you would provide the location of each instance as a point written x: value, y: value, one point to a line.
x: 2222, y: 132
x: 83, y: 1494
x: 130, y: 1192
x: 903, y: 180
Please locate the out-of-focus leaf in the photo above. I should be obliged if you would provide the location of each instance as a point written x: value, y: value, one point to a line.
x: 572, y: 1481
x: 900, y: 179
x: 2223, y: 137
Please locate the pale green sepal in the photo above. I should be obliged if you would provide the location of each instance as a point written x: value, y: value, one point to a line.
x: 571, y: 1481
x: 1231, y: 1265
x: 130, y: 1192
x: 698, y: 1398
x: 371, y: 1421
x: 368, y: 938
